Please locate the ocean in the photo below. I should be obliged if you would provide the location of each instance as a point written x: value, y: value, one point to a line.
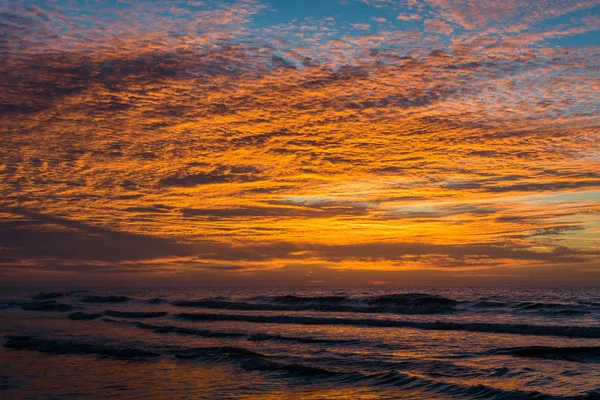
x: 371, y: 342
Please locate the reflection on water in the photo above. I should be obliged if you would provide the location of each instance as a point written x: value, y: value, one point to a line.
x: 286, y: 343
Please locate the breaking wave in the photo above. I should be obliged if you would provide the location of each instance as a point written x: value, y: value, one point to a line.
x: 403, y: 303
x: 408, y: 303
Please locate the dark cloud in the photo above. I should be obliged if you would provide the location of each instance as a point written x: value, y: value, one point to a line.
x: 107, y: 114
x: 40, y: 237
x: 220, y: 174
x: 36, y: 82
x: 150, y: 209
x: 542, y: 186
x: 513, y: 218
x: 322, y: 211
x: 556, y: 230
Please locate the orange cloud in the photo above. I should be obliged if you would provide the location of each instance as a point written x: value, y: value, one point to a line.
x: 232, y: 149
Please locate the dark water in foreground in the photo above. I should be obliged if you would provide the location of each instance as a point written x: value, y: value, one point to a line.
x: 308, y: 343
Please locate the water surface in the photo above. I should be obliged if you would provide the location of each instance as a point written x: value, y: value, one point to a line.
x: 355, y: 343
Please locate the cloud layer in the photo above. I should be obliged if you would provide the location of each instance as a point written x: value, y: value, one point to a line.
x: 241, y: 138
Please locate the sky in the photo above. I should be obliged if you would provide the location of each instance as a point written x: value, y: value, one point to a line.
x: 329, y: 142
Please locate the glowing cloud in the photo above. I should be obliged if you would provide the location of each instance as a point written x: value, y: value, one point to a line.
x: 420, y: 139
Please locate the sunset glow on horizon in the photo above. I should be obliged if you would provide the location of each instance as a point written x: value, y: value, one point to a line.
x: 413, y: 142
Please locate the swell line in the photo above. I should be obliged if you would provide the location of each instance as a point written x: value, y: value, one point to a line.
x: 256, y: 337
x: 521, y: 329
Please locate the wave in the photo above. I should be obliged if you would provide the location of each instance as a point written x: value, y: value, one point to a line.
x: 422, y: 385
x: 488, y: 304
x: 552, y: 308
x: 432, y: 368
x: 218, y: 352
x: 401, y: 300
x: 578, y: 354
x: 261, y: 337
x: 48, y: 296
x: 294, y: 369
x: 522, y: 329
x: 178, y: 329
x: 403, y: 303
x: 291, y: 299
x: 56, y: 295
x: 532, y: 305
x: 65, y: 346
x: 240, y: 306
x: 47, y: 305
x: 135, y: 314
x: 81, y: 316
x: 589, y: 303
x: 558, y: 309
x: 411, y: 300
x: 104, y: 299
x: 252, y: 361
x: 409, y: 303
x: 257, y: 337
